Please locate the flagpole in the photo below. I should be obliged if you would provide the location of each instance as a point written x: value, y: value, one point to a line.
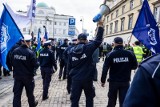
x: 31, y: 27
x: 130, y: 39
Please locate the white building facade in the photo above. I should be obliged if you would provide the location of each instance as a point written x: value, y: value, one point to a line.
x: 56, y: 24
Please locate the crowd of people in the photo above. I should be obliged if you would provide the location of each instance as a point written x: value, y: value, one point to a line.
x: 77, y: 64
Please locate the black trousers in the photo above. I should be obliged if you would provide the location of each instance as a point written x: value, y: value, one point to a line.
x: 46, y: 73
x: 29, y: 85
x: 116, y: 88
x: 63, y: 69
x: 76, y: 90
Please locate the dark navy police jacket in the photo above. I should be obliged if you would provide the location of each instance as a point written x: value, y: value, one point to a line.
x: 80, y: 59
x: 62, y: 48
x: 24, y: 62
x: 119, y: 62
x: 145, y: 88
x: 47, y: 58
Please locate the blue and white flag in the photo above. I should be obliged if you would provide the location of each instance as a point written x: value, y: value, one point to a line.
x: 9, y: 35
x: 146, y: 29
x: 32, y: 9
x: 38, y: 40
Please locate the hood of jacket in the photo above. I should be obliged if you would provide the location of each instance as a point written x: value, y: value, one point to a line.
x: 78, y: 49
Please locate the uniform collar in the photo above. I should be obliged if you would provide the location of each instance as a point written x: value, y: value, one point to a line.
x: 118, y: 47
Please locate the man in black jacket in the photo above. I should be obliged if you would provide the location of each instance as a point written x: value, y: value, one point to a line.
x: 63, y: 65
x: 24, y: 64
x: 81, y: 68
x: 119, y: 62
x: 145, y: 87
x: 47, y: 61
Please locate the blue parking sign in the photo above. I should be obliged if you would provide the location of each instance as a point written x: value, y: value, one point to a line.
x: 72, y: 21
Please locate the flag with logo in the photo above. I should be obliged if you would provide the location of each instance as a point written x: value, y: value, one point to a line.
x: 146, y: 29
x: 9, y: 35
x: 38, y: 40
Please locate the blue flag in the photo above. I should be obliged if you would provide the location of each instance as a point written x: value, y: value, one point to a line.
x: 9, y: 36
x: 45, y: 34
x: 38, y: 40
x: 146, y: 29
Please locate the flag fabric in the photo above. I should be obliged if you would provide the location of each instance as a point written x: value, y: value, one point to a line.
x: 32, y: 9
x: 21, y: 20
x: 9, y: 36
x: 45, y: 34
x: 38, y: 40
x: 146, y: 29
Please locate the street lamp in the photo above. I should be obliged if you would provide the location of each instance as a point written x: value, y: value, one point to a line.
x: 82, y: 21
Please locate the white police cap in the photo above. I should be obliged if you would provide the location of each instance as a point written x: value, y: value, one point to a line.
x: 48, y: 42
x: 27, y: 37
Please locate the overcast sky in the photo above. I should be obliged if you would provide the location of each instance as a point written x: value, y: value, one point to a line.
x: 85, y: 9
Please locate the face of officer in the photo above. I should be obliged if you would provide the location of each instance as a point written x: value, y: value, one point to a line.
x: 28, y: 43
x: 49, y: 46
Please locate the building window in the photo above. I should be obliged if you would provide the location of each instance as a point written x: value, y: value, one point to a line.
x: 130, y: 21
x: 50, y: 22
x: 24, y: 29
x: 55, y: 23
x: 123, y: 9
x: 116, y: 13
x: 131, y: 4
x: 60, y: 23
x: 122, y: 24
x: 106, y: 29
x: 142, y: 1
x: 64, y: 24
x: 64, y: 31
x: 116, y: 26
x: 111, y: 16
x: 111, y: 27
x: 157, y: 13
x: 107, y: 18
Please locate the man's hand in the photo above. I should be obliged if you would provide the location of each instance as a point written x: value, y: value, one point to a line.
x: 102, y: 84
x: 100, y: 23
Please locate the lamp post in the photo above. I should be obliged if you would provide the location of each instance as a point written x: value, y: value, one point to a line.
x: 82, y: 21
x: 47, y: 19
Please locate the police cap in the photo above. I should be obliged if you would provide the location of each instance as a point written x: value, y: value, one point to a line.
x: 82, y: 36
x: 118, y: 40
x: 27, y: 38
x: 46, y: 43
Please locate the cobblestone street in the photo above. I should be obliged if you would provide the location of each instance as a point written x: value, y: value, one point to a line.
x: 58, y: 96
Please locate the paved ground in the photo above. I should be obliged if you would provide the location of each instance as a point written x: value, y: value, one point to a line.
x: 58, y: 96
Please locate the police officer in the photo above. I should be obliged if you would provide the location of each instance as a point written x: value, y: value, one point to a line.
x: 66, y: 55
x: 63, y: 69
x: 119, y: 62
x: 81, y: 68
x: 138, y: 51
x: 24, y: 64
x: 47, y: 61
x: 145, y: 87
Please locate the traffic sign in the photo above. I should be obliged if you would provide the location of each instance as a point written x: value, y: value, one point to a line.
x: 71, y: 27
